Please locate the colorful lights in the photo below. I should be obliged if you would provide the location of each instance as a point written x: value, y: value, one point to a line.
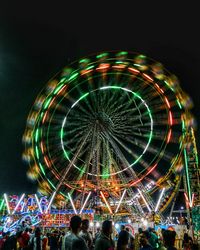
x: 133, y: 70
x: 103, y: 66
x: 2, y: 203
x: 167, y: 102
x: 37, y: 152
x: 73, y: 76
x: 170, y: 118
x: 46, y: 161
x: 42, y: 169
x: 189, y: 203
x: 82, y: 97
x: 169, y: 135
x: 36, y: 135
x: 135, y: 96
x: 187, y: 176
x: 123, y: 92
x: 58, y: 88
x: 46, y: 104
x: 51, y: 183
x: 147, y: 77
x: 101, y: 55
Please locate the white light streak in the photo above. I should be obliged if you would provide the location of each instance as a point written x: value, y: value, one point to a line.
x: 120, y: 201
x: 144, y: 200
x: 72, y: 203
x: 49, y: 205
x: 20, y: 200
x: 106, y: 202
x: 38, y: 203
x: 159, y: 200
x: 63, y: 124
x: 88, y: 196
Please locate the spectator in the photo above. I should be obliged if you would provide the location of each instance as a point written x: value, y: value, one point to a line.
x: 54, y: 240
x: 85, y: 234
x: 144, y: 243
x: 153, y: 238
x: 187, y: 242
x: 36, y: 241
x: 123, y: 240
x: 73, y: 241
x: 131, y: 239
x: 169, y: 239
x: 25, y: 238
x: 104, y: 241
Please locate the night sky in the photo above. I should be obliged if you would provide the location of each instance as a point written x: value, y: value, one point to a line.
x: 36, y: 41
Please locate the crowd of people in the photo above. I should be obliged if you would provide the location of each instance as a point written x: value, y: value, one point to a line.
x: 79, y: 237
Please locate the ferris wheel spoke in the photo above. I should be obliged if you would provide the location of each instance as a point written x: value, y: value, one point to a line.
x: 126, y: 104
x: 114, y: 106
x: 149, y: 93
x: 128, y: 113
x: 110, y: 103
x: 141, y: 144
x: 90, y: 155
x: 89, y: 106
x: 131, y: 152
x: 122, y: 157
x: 71, y: 163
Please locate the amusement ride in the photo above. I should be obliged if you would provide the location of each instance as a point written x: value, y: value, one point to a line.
x: 112, y: 133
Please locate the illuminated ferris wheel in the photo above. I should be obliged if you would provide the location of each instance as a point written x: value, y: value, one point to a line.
x: 112, y: 124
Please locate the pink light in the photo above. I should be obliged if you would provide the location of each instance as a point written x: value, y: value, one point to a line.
x: 170, y: 118
x: 134, y: 71
x: 61, y: 89
x: 166, y: 100
x: 192, y: 203
x: 189, y: 204
x: 44, y: 118
x: 134, y: 183
x: 52, y: 101
x: 147, y: 77
x: 159, y: 88
x: 169, y: 135
x: 187, y: 201
x: 84, y: 72
x: 47, y: 162
x: 119, y: 66
x: 103, y: 66
x: 42, y: 147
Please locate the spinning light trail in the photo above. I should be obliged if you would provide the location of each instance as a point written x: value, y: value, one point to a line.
x: 114, y: 121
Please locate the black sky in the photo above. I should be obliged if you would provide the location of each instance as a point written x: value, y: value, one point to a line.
x: 37, y: 40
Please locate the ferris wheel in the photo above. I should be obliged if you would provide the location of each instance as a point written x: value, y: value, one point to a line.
x: 112, y: 123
